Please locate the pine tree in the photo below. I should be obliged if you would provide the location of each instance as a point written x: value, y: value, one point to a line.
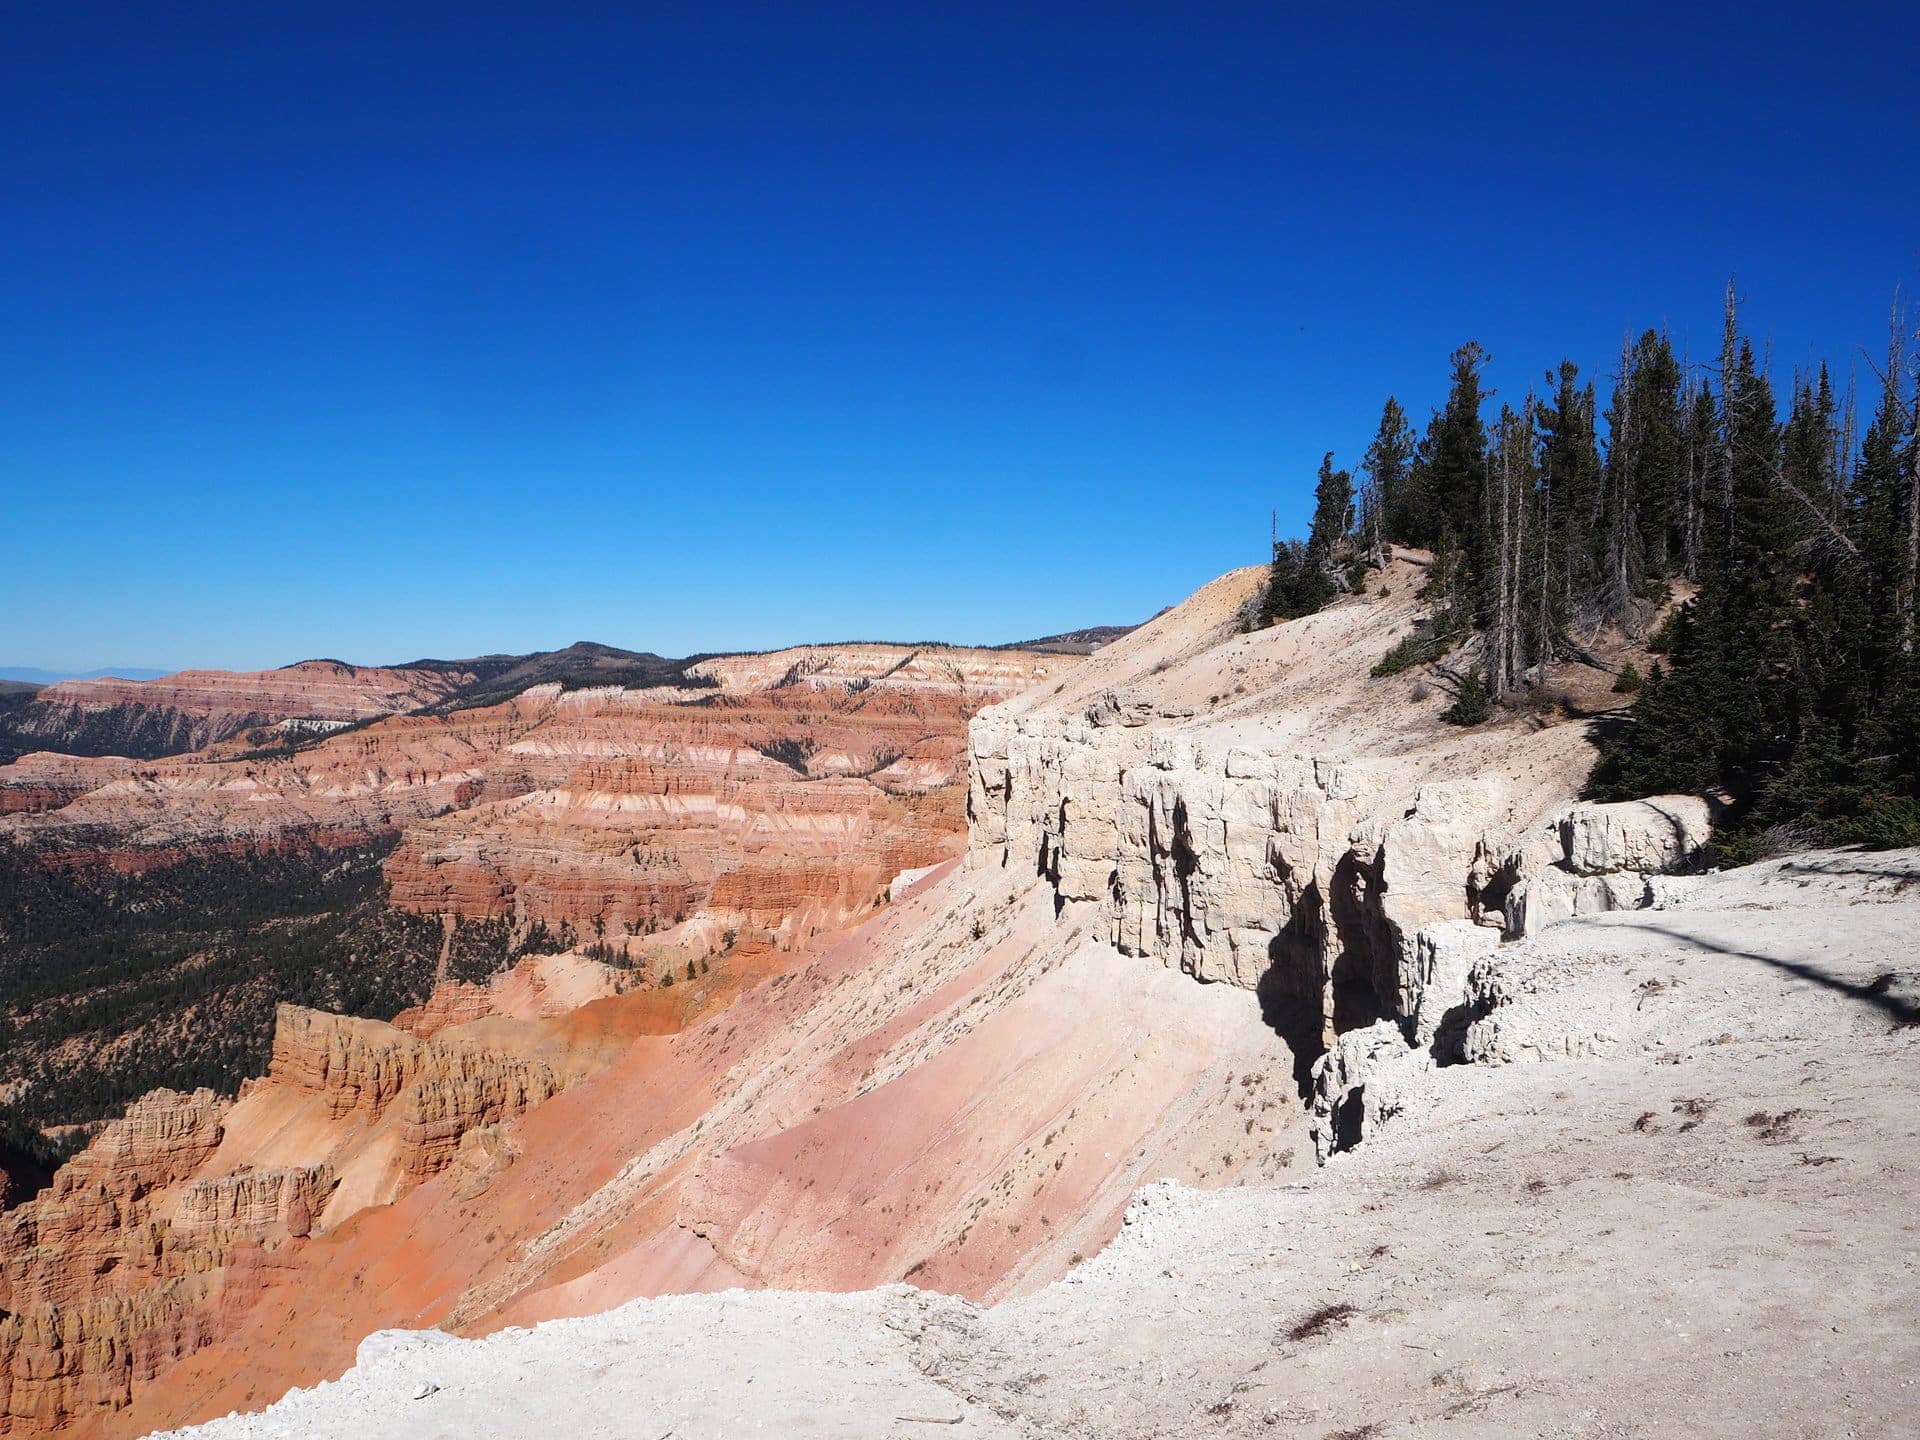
x: 1291, y: 587
x: 1791, y: 674
x: 1459, y: 464
x: 1621, y: 563
x: 1658, y: 480
x: 1301, y: 579
x: 1387, y: 465
x: 1332, y: 512
x: 1570, y: 476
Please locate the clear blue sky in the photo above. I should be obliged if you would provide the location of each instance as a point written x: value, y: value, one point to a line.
x: 395, y: 329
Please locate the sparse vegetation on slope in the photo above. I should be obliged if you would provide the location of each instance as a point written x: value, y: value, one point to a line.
x: 112, y: 986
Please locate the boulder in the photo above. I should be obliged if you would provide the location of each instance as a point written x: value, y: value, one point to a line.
x: 1653, y: 836
x: 1366, y: 1078
x: 1551, y: 896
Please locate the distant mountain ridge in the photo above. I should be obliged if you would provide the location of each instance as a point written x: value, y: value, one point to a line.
x: 146, y: 715
x: 1075, y: 642
x: 34, y: 675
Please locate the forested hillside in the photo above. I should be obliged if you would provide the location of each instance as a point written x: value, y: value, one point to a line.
x: 1790, y: 675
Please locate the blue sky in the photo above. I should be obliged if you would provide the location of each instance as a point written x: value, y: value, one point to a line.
x: 392, y: 330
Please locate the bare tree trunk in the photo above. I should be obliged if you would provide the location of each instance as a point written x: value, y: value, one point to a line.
x: 1727, y: 402
x: 1623, y: 539
x: 1517, y: 664
x: 1842, y: 477
x: 1690, y: 518
x: 1545, y: 638
x: 1910, y: 497
x: 1503, y: 629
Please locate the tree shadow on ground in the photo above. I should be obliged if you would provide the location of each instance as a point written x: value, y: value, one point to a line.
x: 1877, y: 992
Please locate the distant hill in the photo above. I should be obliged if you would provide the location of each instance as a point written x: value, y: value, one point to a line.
x: 1074, y: 642
x: 579, y: 665
x: 32, y: 675
x: 186, y: 710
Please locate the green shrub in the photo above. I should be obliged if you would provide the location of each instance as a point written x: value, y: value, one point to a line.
x: 1890, y: 822
x: 1412, y: 650
x: 1473, y: 705
x: 1629, y: 681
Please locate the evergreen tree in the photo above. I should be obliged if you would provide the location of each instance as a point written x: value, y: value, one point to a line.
x: 1659, y: 479
x: 1302, y: 577
x: 1296, y: 584
x: 1792, y: 670
x: 1459, y: 465
x: 1332, y: 512
x: 1570, y: 478
x: 1387, y: 465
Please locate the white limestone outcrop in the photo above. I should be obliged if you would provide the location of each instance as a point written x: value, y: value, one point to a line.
x: 1323, y: 841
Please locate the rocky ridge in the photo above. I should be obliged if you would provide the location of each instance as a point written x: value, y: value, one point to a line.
x: 163, y: 1232
x: 965, y: 1091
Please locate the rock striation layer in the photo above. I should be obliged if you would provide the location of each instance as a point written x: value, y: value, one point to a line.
x: 777, y: 800
x: 161, y: 1234
x: 196, y: 708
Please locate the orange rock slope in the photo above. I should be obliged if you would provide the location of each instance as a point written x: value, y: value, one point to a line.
x: 963, y: 1091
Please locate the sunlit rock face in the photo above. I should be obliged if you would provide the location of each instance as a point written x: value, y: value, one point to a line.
x: 196, y: 708
x: 776, y: 797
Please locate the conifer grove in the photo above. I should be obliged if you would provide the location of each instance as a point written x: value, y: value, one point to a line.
x: 1768, y: 554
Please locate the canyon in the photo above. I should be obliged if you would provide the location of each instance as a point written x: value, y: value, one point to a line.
x: 1222, y: 903
x: 760, y: 786
x: 192, y: 709
x: 753, y: 801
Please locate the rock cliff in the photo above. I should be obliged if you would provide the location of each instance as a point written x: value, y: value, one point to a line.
x: 1250, y: 809
x: 965, y: 1090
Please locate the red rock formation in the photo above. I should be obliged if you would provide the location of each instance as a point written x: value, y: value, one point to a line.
x: 94, y: 1291
x: 280, y: 1203
x: 163, y: 1233
x: 46, y: 781
x: 540, y: 987
x: 195, y: 708
x: 443, y: 1087
x: 779, y: 804
x: 782, y: 811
